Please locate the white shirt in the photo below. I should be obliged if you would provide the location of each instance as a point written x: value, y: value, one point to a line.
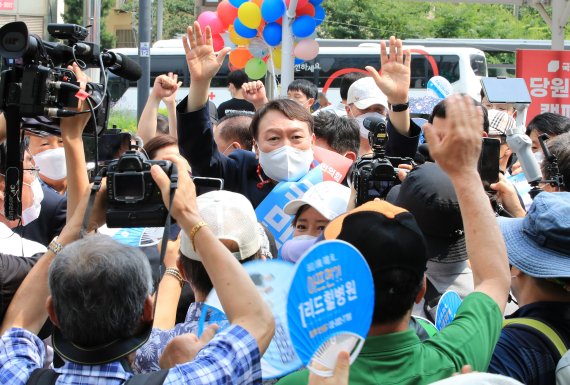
x: 12, y: 244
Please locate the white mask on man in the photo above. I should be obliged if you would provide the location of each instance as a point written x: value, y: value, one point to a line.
x: 32, y: 213
x: 286, y: 163
x: 51, y: 163
x: 360, y: 120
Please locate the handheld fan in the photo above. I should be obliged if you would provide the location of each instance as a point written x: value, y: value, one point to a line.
x: 272, y: 279
x: 330, y: 304
x: 447, y: 309
x: 137, y: 236
x: 440, y: 87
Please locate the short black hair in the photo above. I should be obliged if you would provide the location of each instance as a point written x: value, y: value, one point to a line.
x: 340, y: 133
x: 237, y: 78
x: 237, y: 128
x: 395, y: 292
x: 439, y: 112
x: 559, y: 146
x: 549, y: 123
x: 347, y: 81
x: 306, y: 87
x: 290, y: 108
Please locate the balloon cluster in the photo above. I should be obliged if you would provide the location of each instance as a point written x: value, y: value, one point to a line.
x: 253, y: 28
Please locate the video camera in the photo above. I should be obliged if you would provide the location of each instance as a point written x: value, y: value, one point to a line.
x: 133, y: 198
x: 35, y: 81
x: 373, y: 175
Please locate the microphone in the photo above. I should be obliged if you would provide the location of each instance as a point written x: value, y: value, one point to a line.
x: 122, y: 66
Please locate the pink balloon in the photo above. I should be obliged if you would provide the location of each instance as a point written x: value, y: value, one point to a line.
x: 306, y: 49
x: 218, y: 42
x: 211, y: 18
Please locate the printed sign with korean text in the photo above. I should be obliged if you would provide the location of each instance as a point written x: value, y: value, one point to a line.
x: 547, y: 76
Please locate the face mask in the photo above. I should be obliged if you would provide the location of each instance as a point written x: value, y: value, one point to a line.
x: 294, y: 248
x: 52, y: 163
x: 286, y: 163
x: 539, y: 156
x: 360, y: 119
x: 33, y: 212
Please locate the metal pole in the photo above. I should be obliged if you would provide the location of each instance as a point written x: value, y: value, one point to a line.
x: 287, y: 57
x: 159, y: 16
x: 143, y: 84
x: 557, y: 24
x: 92, y: 17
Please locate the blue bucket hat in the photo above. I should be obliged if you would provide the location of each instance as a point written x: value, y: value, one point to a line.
x: 539, y: 243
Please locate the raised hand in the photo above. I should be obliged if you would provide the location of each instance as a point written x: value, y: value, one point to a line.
x: 165, y: 87
x: 395, y: 78
x: 254, y: 92
x: 73, y: 126
x: 455, y: 142
x: 203, y: 63
x: 185, y: 347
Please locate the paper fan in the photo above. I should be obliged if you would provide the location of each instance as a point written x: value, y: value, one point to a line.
x: 138, y: 236
x: 272, y: 279
x: 428, y: 326
x: 446, y: 309
x: 330, y: 304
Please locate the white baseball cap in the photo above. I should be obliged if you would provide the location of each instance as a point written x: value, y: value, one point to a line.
x: 329, y: 198
x: 230, y: 216
x: 365, y: 93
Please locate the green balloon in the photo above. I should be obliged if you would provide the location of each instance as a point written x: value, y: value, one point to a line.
x: 255, y: 68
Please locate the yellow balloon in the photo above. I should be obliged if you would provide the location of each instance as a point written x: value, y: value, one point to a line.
x: 276, y: 56
x: 249, y: 14
x: 235, y: 38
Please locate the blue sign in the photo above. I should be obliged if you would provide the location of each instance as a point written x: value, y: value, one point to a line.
x: 272, y: 279
x: 330, y: 302
x: 447, y: 309
x: 270, y: 211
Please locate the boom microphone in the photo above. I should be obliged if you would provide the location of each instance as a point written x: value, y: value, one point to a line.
x: 122, y: 66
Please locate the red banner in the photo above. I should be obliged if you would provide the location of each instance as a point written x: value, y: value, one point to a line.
x: 547, y: 76
x: 7, y: 5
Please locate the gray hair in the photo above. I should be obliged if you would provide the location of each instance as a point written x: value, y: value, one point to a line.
x: 98, y: 288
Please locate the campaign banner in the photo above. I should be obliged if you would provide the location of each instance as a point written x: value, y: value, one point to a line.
x: 272, y: 279
x: 330, y: 303
x: 7, y: 5
x: 447, y: 309
x: 547, y: 76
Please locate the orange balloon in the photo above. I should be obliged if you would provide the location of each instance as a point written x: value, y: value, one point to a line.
x: 240, y: 56
x: 258, y: 2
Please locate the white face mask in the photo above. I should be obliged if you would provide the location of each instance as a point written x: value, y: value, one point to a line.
x: 304, y: 237
x: 52, y: 163
x: 33, y: 212
x: 539, y: 156
x: 360, y: 119
x: 286, y: 163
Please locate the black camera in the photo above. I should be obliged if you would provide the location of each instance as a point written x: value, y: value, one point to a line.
x: 373, y: 175
x: 134, y: 199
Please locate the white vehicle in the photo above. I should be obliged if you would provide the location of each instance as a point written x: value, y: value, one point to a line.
x: 463, y: 67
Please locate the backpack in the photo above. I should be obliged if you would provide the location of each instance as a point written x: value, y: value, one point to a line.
x: 558, y: 347
x: 49, y: 377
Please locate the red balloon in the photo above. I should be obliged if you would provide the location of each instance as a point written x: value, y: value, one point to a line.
x: 227, y: 13
x: 308, y: 9
x: 300, y: 3
x: 218, y: 42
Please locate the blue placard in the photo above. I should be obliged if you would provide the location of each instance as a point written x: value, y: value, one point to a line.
x: 270, y: 211
x: 272, y: 279
x: 332, y: 292
x: 447, y: 309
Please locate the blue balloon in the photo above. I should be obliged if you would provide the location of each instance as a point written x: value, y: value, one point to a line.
x: 243, y: 31
x: 237, y: 3
x: 272, y: 10
x: 272, y: 34
x: 299, y: 61
x: 304, y: 26
x: 315, y: 2
x: 319, y: 14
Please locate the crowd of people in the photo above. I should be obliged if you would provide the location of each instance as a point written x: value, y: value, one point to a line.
x: 78, y: 307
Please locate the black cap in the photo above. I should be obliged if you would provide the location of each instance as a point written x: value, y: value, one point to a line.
x: 386, y: 235
x: 427, y: 193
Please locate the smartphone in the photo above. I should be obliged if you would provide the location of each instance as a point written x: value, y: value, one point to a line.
x: 489, y: 162
x: 506, y: 90
x: 204, y: 184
